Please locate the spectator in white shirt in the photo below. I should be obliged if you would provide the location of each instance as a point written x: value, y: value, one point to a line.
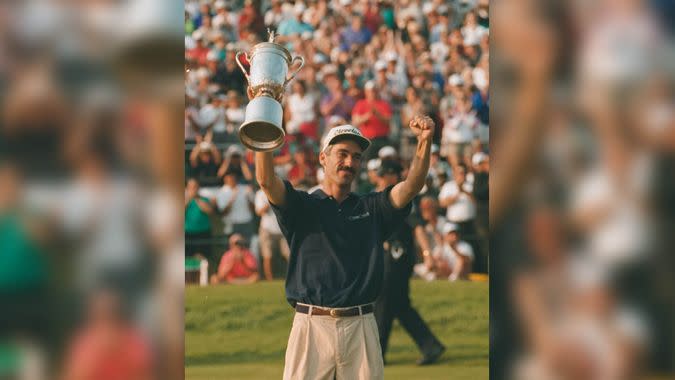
x: 270, y: 235
x: 459, y: 131
x: 455, y: 257
x: 301, y: 109
x: 457, y: 196
x: 235, y: 203
x: 471, y: 29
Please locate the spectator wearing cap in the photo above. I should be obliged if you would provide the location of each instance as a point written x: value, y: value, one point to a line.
x: 387, y: 153
x: 399, y: 259
x: 336, y: 264
x: 301, y: 112
x: 269, y: 234
x: 295, y: 25
x: 396, y: 76
x: 199, y: 52
x: 335, y: 102
x: 456, y: 256
x: 204, y: 161
x: 471, y: 50
x: 432, y: 223
x: 354, y: 34
x: 372, y: 116
x: 218, y: 52
x: 459, y: 132
x: 197, y: 220
x: 457, y: 196
x: 235, y: 112
x: 373, y: 168
x: 234, y: 161
x: 382, y: 82
x: 236, y: 204
x: 454, y: 89
x: 237, y: 265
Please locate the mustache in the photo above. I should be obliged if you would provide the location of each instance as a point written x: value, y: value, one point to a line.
x: 347, y: 168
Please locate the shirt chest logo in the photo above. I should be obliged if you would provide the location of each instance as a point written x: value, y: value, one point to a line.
x: 358, y: 217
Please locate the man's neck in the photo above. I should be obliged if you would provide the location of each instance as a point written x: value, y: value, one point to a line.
x: 338, y: 192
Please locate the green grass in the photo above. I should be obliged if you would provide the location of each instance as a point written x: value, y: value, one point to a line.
x: 240, y: 332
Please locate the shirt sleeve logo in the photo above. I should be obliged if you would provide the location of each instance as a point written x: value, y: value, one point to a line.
x: 360, y: 216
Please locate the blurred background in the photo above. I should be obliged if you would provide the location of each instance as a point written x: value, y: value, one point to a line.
x: 582, y: 208
x: 91, y: 249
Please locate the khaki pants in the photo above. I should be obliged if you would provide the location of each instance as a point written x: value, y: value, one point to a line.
x: 326, y: 348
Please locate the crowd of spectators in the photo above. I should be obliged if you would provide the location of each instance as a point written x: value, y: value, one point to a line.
x: 372, y: 64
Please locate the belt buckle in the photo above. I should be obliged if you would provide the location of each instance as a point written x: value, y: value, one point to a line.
x: 333, y: 313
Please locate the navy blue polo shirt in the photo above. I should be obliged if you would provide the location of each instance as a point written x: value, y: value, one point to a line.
x: 337, y: 258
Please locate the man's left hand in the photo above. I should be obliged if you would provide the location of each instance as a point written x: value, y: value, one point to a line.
x: 422, y: 127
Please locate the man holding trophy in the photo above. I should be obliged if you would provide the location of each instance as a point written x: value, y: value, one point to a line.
x: 336, y: 237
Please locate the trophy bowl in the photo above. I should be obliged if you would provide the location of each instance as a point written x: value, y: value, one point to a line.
x: 269, y: 65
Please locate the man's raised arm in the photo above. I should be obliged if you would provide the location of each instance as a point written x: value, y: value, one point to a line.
x: 272, y: 185
x: 404, y: 192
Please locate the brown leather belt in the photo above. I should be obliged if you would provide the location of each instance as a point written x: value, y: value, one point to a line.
x: 335, y: 313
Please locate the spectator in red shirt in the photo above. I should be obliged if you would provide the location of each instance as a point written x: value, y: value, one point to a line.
x: 237, y: 266
x: 372, y: 116
x: 372, y: 18
x: 250, y: 21
x: 108, y: 347
x: 303, y: 173
x: 200, y: 51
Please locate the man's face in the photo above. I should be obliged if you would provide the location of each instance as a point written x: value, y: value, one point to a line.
x: 333, y: 83
x: 341, y: 162
x: 205, y: 156
x: 230, y: 180
x: 356, y: 23
x: 192, y: 187
x: 371, y: 94
x: 451, y: 237
x: 459, y: 175
x: 373, y: 177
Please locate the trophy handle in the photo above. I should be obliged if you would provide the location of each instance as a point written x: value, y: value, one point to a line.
x: 241, y: 66
x: 302, y: 63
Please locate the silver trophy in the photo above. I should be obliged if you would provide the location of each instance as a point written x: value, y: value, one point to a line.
x: 269, y: 66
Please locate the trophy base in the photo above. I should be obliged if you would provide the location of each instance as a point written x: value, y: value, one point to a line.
x: 262, y: 130
x: 261, y: 136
